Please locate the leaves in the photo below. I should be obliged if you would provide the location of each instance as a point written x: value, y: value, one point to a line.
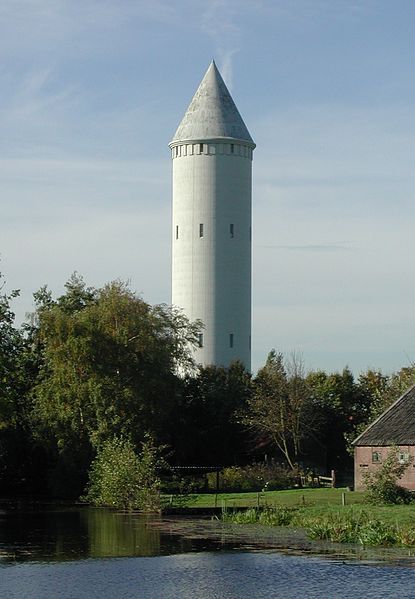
x: 119, y: 478
x: 280, y: 405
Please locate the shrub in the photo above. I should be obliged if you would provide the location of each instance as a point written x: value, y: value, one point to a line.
x: 377, y: 532
x: 382, y: 485
x: 254, y: 477
x: 121, y: 479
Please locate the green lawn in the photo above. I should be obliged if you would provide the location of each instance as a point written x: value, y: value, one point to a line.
x: 292, y: 498
x: 329, y: 514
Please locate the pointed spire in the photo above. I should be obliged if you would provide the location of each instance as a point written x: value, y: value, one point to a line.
x: 212, y: 113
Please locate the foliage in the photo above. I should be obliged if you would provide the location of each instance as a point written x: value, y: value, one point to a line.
x: 94, y: 364
x: 255, y: 477
x: 208, y: 403
x: 382, y: 485
x: 353, y: 525
x: 280, y: 409
x: 11, y: 348
x: 121, y: 479
x: 110, y: 362
x: 340, y: 406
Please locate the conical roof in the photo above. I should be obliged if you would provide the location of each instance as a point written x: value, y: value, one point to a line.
x: 212, y: 113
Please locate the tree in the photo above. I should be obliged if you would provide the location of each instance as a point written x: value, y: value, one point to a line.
x: 340, y: 405
x: 11, y: 348
x: 206, y: 430
x: 18, y: 369
x: 110, y: 363
x: 280, y: 408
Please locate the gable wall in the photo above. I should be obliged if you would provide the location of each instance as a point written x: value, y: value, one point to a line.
x: 363, y: 463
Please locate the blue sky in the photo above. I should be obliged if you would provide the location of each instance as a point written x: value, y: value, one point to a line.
x: 92, y: 92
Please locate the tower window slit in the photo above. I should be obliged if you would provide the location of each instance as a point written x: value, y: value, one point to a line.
x: 231, y: 230
x: 201, y: 230
x: 177, y: 231
x: 232, y: 148
x: 200, y: 339
x: 201, y: 148
x: 230, y: 339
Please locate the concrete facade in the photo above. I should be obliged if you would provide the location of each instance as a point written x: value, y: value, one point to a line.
x: 211, y: 223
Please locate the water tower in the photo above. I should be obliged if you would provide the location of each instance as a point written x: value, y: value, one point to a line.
x: 212, y: 224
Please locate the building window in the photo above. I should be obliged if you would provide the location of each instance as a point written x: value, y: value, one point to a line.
x: 200, y: 339
x: 177, y: 151
x: 201, y: 148
x: 230, y: 339
x: 376, y: 457
x: 201, y: 230
x: 231, y: 230
x: 403, y: 457
x: 177, y: 231
x: 232, y: 148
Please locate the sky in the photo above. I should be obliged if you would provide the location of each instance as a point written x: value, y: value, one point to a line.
x: 92, y: 92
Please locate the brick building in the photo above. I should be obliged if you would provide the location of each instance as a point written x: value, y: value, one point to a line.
x: 394, y: 428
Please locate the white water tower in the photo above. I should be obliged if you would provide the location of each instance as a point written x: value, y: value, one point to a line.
x: 212, y: 223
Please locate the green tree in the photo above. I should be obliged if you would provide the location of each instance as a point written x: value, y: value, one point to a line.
x: 280, y: 409
x: 11, y: 348
x: 206, y: 430
x: 18, y: 369
x: 110, y: 364
x: 340, y: 405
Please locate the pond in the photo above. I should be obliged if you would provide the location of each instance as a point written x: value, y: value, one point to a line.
x: 88, y: 553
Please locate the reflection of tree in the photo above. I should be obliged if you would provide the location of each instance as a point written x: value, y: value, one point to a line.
x: 114, y: 534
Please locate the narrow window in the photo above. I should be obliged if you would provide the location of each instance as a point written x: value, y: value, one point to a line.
x: 230, y: 339
x: 403, y: 457
x: 177, y: 151
x: 376, y: 458
x: 177, y: 231
x: 200, y: 340
x: 201, y: 148
x: 201, y: 230
x: 231, y: 230
x: 232, y: 148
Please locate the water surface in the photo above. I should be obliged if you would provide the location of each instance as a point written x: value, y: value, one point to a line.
x: 77, y: 553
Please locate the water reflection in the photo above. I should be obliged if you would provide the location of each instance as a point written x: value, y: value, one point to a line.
x: 75, y: 533
x: 65, y: 534
x: 55, y: 535
x: 112, y: 534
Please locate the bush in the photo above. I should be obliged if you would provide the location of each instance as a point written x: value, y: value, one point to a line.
x: 382, y: 485
x: 352, y: 527
x: 121, y: 479
x: 254, y: 477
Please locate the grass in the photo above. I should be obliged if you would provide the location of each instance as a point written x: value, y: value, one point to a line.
x: 321, y: 512
x: 289, y: 498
